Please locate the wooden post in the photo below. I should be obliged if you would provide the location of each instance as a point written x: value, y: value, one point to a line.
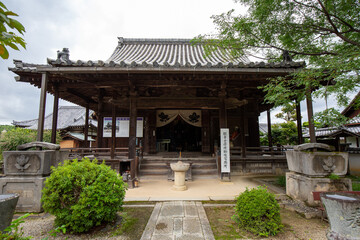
x: 55, y: 114
x: 41, y: 120
x: 86, y: 130
x: 222, y: 114
x: 100, y: 118
x: 298, y: 123
x: 310, y: 115
x: 269, y: 129
x: 113, y: 131
x: 132, y: 132
x: 242, y: 132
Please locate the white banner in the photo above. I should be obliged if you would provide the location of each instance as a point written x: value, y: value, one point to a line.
x: 225, y: 150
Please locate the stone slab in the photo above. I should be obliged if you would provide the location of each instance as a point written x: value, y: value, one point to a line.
x: 29, y: 189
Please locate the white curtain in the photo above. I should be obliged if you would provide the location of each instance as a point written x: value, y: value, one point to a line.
x: 164, y: 117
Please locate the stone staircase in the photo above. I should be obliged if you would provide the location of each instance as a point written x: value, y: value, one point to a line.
x: 155, y: 166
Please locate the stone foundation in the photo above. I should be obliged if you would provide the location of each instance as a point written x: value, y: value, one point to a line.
x: 29, y: 189
x: 300, y: 187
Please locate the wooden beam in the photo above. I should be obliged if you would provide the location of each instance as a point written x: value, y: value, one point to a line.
x: 269, y: 128
x: 310, y: 116
x: 86, y: 130
x: 132, y: 133
x: 100, y: 118
x: 41, y: 119
x: 55, y: 114
x: 79, y: 95
x: 298, y: 123
x: 113, y: 131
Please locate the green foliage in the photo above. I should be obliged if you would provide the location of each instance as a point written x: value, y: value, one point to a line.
x: 6, y: 127
x: 14, y: 232
x: 288, y: 112
x: 281, y: 181
x: 127, y: 225
x: 323, y: 34
x: 282, y: 134
x: 257, y: 211
x: 356, y: 186
x: 8, y: 38
x: 334, y: 176
x: 330, y: 118
x: 83, y: 194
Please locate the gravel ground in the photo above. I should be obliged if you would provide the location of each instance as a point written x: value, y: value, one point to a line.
x: 39, y: 227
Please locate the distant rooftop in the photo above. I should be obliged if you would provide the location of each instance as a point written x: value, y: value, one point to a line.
x: 68, y: 116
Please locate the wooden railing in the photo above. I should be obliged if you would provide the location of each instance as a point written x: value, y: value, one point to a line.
x: 120, y: 162
x: 257, y: 151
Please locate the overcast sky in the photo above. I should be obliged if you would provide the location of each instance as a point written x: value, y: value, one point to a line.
x: 89, y: 28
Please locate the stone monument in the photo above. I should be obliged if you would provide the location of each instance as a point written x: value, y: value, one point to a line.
x: 310, y: 166
x: 25, y: 173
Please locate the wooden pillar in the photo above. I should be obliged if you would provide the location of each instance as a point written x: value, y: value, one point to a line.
x: 269, y: 128
x: 113, y: 131
x: 310, y: 116
x: 298, y: 123
x: 41, y: 120
x: 55, y: 114
x: 86, y: 128
x: 222, y: 114
x: 205, y: 139
x: 100, y: 118
x: 132, y: 136
x: 242, y: 132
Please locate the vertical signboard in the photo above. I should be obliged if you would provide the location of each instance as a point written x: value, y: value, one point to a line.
x: 225, y: 150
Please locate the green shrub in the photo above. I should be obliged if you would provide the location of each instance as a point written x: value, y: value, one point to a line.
x: 281, y: 181
x: 258, y: 212
x: 83, y: 194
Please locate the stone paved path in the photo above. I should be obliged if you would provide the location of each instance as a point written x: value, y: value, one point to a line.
x: 178, y: 220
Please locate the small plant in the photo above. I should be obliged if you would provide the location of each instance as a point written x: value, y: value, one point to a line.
x: 281, y: 181
x: 258, y: 212
x: 333, y: 176
x: 14, y: 232
x: 83, y: 194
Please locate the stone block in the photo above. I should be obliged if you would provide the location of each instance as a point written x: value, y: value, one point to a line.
x: 300, y: 187
x: 29, y: 189
x: 317, y: 163
x: 29, y: 163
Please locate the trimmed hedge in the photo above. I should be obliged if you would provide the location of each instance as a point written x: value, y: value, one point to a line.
x: 83, y: 194
x: 257, y: 211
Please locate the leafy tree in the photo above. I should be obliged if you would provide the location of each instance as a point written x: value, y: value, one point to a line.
x: 288, y: 112
x: 323, y: 33
x: 282, y: 134
x: 8, y: 38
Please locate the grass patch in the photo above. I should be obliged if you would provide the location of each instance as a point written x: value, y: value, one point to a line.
x: 133, y: 223
x: 356, y: 186
x: 219, y: 202
x: 295, y: 226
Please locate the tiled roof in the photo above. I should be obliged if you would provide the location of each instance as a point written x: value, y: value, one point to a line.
x: 68, y: 116
x: 351, y: 129
x: 169, y: 53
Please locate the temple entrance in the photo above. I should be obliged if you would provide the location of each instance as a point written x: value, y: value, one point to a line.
x: 178, y: 136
